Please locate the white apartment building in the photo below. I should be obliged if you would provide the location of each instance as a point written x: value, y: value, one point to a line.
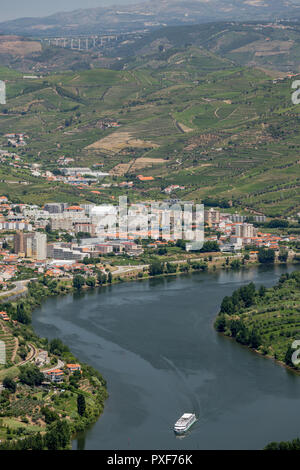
x: 237, y: 218
x: 82, y: 172
x: 56, y: 251
x: 36, y: 213
x: 15, y: 226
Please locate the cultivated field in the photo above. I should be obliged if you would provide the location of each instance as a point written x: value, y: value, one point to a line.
x: 13, y: 45
x: 119, y: 141
x: 187, y: 117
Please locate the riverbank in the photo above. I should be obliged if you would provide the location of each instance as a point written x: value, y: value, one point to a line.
x: 208, y: 262
x: 42, y: 392
x: 154, y: 343
x: 53, y: 289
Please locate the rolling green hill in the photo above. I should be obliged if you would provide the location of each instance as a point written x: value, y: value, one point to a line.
x: 150, y: 14
x: 271, y: 46
x: 220, y: 130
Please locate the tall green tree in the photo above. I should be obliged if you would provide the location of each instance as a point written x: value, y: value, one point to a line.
x: 81, y: 405
x: 262, y: 291
x: 254, y: 339
x: 266, y: 256
x: 78, y: 282
x: 156, y: 268
x: 220, y: 323
x: 58, y: 435
x: 9, y: 384
x: 288, y: 356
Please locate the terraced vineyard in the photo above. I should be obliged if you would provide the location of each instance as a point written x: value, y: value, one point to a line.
x: 218, y: 129
x: 10, y: 342
x: 267, y: 320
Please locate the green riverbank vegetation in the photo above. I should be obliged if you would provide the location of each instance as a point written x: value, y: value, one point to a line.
x: 37, y: 412
x: 266, y: 320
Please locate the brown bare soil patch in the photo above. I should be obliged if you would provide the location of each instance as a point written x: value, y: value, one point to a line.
x: 135, y: 165
x: 13, y: 45
x: 145, y: 162
x: 121, y: 169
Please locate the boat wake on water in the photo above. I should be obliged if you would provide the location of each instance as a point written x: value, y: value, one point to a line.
x: 183, y: 385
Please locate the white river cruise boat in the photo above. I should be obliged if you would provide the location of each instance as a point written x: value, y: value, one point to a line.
x: 184, y: 423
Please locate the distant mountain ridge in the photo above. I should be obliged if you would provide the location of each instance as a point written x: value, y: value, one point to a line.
x: 151, y: 14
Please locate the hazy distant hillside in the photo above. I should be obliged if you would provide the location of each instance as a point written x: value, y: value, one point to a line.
x: 150, y: 14
x: 274, y: 46
x: 29, y: 55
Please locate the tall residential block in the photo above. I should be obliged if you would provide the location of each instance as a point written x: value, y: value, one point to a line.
x: 31, y: 245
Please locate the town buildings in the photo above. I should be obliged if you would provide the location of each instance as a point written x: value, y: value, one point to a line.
x: 245, y: 230
x: 211, y: 217
x: 91, y: 231
x: 31, y: 245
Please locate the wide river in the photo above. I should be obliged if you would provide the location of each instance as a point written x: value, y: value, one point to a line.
x: 155, y: 344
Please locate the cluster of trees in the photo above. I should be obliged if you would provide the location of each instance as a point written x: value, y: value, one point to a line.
x: 104, y: 278
x: 284, y: 445
x: 277, y: 223
x: 157, y: 268
x: 80, y: 281
x: 23, y: 313
x: 80, y: 235
x: 232, y: 322
x: 293, y: 277
x: 275, y: 131
x: 238, y: 330
x: 31, y: 375
x: 9, y: 384
x: 216, y: 202
x: 199, y: 266
x: 91, y: 260
x: 236, y: 263
x: 283, y: 256
x: 21, y: 309
x: 74, y: 379
x: 180, y: 244
x: 210, y: 246
x: 266, y: 255
x: 49, y: 415
x: 57, y: 437
x: 57, y: 347
x: 241, y: 298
